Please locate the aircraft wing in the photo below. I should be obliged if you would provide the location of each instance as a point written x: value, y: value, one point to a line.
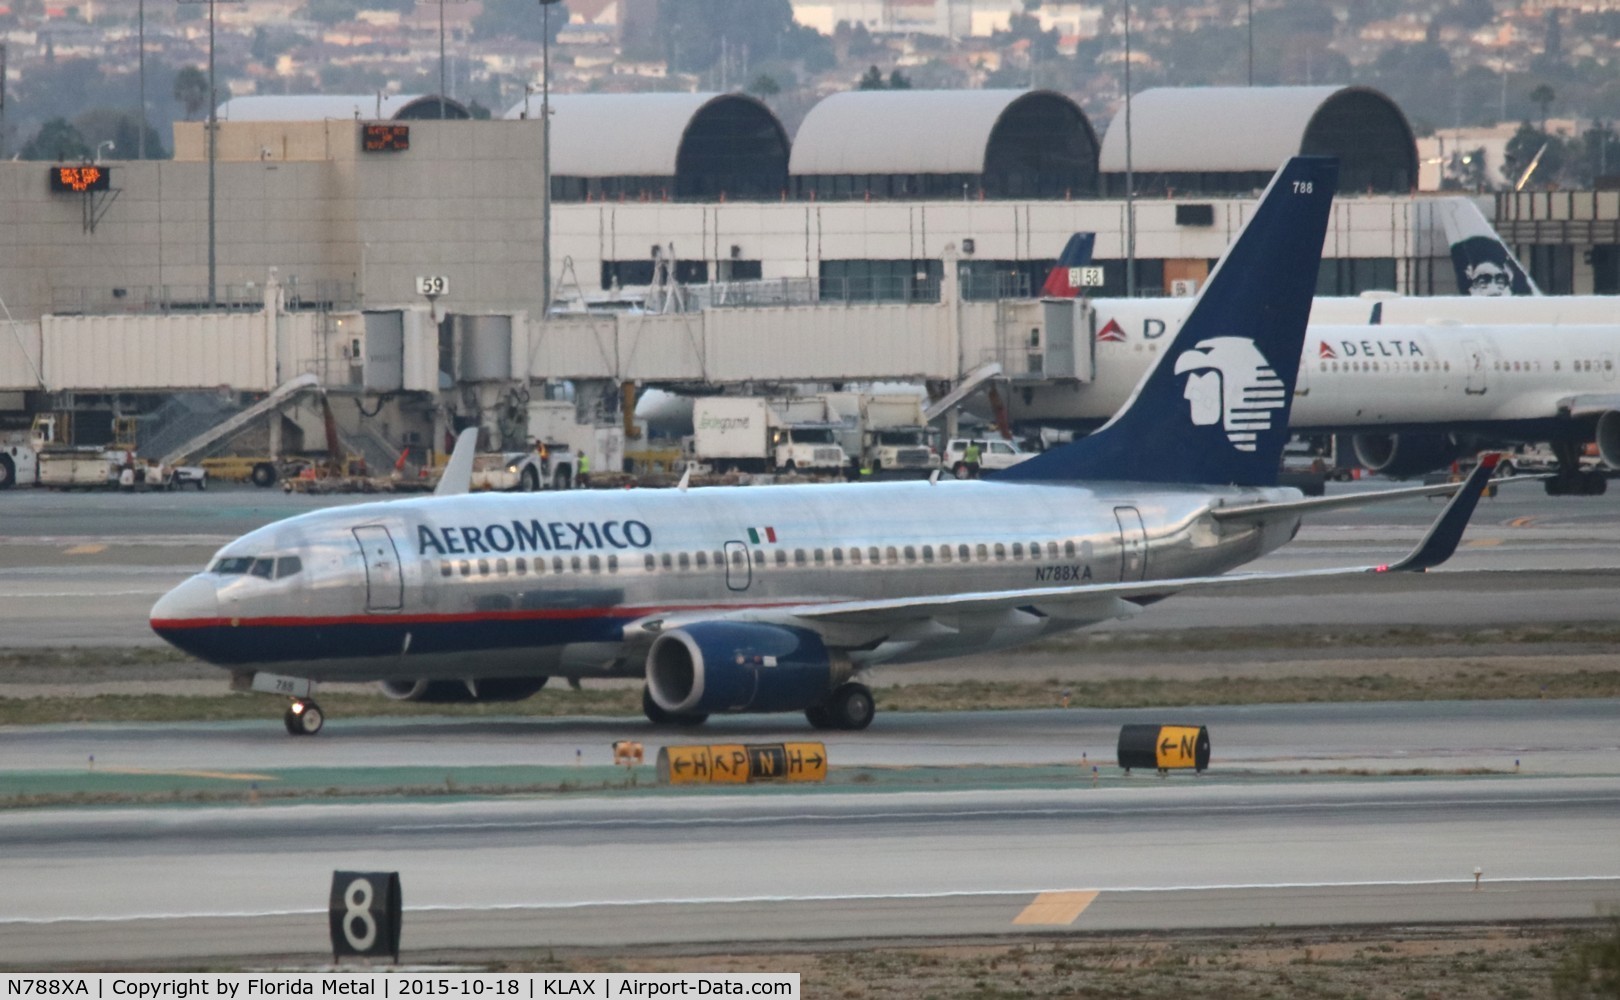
x: 853, y: 623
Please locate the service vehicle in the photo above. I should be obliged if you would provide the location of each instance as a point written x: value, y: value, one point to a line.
x: 748, y: 434
x: 994, y: 454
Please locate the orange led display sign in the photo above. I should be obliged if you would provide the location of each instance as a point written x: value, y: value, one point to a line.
x: 376, y: 138
x: 89, y: 177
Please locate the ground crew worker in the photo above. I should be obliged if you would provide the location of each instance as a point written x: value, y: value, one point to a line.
x: 970, y: 458
x: 584, y: 471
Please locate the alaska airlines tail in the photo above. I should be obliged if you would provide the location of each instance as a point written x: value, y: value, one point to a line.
x: 1484, y: 264
x: 1214, y: 408
x: 1076, y: 253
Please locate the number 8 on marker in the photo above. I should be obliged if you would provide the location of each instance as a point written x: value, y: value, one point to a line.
x: 357, y: 910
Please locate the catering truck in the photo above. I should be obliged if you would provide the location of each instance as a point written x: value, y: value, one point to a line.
x: 749, y: 434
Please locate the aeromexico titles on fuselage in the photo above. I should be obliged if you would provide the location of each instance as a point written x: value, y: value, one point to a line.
x: 530, y: 536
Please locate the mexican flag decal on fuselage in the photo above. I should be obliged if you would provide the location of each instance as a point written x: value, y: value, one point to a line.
x: 758, y: 535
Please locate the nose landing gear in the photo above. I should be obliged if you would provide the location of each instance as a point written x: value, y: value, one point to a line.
x: 304, y: 717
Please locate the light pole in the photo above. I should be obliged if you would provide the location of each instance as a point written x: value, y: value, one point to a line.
x: 140, y: 60
x: 1130, y: 173
x: 213, y: 142
x: 545, y: 156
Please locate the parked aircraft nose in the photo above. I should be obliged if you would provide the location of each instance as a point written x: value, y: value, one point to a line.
x: 192, y: 604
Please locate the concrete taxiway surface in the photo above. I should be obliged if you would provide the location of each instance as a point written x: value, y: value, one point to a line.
x: 1254, y: 842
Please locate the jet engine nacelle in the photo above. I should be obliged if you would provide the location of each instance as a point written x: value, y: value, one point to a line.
x: 1608, y: 439
x: 1401, y: 456
x: 739, y: 667
x: 454, y: 692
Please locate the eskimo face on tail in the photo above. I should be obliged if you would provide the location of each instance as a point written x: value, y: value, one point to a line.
x: 1232, y: 384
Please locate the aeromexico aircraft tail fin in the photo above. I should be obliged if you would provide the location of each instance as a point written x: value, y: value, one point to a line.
x: 1483, y: 262
x: 1076, y: 253
x: 1214, y: 408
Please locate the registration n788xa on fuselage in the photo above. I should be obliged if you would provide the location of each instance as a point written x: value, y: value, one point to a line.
x: 776, y: 598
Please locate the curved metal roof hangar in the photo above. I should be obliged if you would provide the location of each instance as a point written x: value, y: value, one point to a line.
x: 1222, y: 139
x: 319, y: 107
x: 1005, y: 143
x: 663, y: 145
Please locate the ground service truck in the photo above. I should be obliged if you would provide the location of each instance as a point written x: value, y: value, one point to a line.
x: 745, y: 434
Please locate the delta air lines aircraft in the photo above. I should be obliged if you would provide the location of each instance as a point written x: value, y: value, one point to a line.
x: 775, y: 599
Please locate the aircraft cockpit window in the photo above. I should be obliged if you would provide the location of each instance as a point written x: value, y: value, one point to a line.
x: 263, y: 568
x: 232, y: 565
x: 287, y: 566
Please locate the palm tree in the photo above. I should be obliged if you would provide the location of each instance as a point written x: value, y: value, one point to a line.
x: 191, y: 90
x: 1544, y: 96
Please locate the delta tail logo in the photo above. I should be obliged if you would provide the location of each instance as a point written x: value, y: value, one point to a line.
x: 1112, y: 333
x: 1232, y: 384
x: 1324, y: 352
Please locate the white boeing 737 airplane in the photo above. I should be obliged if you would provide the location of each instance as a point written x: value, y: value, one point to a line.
x: 774, y: 599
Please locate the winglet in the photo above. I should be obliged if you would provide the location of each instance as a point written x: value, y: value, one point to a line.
x: 457, y: 477
x: 1441, y: 541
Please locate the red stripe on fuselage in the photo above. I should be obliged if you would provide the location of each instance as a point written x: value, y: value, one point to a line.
x: 385, y: 618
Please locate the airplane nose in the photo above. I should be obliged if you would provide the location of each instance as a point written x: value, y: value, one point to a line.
x: 191, y: 604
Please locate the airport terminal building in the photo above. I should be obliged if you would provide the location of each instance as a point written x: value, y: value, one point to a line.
x: 893, y: 200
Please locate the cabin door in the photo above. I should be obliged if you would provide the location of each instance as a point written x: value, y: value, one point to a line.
x: 739, y: 571
x: 1132, y: 544
x: 1474, y: 359
x: 385, y: 588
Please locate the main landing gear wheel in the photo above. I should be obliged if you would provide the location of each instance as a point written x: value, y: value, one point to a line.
x: 304, y: 718
x: 820, y: 717
x: 658, y: 717
x: 850, y: 707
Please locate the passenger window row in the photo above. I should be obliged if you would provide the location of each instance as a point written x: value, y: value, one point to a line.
x: 873, y: 555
